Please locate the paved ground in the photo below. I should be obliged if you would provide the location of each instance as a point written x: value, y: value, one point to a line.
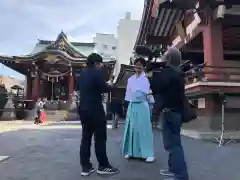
x: 51, y: 153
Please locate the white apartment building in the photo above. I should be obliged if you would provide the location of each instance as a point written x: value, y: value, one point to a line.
x: 127, y: 32
x: 106, y: 45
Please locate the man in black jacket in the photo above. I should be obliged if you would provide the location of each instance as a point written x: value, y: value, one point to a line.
x: 168, y: 84
x: 91, y: 85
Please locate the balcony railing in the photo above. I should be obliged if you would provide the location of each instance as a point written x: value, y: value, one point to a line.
x: 212, y: 73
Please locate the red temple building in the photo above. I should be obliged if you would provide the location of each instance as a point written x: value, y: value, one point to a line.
x: 208, y: 35
x: 52, y: 68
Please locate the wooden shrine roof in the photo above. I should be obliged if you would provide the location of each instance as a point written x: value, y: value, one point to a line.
x: 47, y: 42
x: 158, y: 24
x: 58, y: 52
x: 126, y: 71
x: 60, y: 48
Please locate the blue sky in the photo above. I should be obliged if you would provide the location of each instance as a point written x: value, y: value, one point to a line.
x: 22, y: 22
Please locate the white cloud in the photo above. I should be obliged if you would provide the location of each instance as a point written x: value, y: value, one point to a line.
x: 22, y: 22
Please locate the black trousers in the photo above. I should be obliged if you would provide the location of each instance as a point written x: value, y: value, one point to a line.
x: 93, y: 123
x: 37, y: 119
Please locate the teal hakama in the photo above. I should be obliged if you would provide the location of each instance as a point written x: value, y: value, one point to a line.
x: 138, y: 136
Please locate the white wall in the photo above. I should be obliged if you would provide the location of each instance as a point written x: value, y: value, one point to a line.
x: 106, y: 45
x: 126, y: 36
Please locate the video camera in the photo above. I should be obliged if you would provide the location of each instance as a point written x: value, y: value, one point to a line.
x: 153, y: 56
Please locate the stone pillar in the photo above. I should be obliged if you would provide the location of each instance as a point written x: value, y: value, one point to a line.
x: 213, y: 47
x: 35, y: 88
x: 70, y: 85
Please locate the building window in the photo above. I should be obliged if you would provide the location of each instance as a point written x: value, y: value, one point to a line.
x: 105, y: 46
x: 201, y: 103
x: 195, y: 102
x: 114, y: 48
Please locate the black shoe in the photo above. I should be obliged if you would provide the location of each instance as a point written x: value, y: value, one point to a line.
x: 87, y: 172
x: 107, y: 170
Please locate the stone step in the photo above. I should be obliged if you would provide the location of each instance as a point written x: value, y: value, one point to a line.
x: 56, y: 115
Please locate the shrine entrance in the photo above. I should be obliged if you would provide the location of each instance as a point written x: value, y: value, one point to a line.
x: 55, y: 79
x: 55, y: 88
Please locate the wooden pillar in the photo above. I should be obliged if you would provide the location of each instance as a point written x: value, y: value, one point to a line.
x: 214, y: 56
x: 29, y: 87
x: 35, y: 92
x: 70, y: 85
x: 213, y: 46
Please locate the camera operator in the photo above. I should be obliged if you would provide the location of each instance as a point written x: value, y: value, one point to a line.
x: 168, y: 84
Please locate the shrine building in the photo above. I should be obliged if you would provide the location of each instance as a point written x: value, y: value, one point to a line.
x: 208, y: 35
x: 51, y: 69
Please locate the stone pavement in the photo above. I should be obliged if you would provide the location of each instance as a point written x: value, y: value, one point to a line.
x: 51, y: 153
x: 6, y: 126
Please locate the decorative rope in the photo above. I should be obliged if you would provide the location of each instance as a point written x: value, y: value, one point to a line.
x: 51, y: 75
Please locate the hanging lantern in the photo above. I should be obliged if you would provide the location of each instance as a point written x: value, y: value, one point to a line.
x: 48, y: 78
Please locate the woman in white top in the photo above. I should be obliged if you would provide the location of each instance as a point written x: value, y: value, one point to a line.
x: 138, y: 136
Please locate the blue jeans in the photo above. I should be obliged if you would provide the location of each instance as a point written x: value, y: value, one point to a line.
x: 172, y: 122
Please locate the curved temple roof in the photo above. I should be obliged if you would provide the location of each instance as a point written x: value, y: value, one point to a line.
x: 157, y: 23
x: 61, y: 47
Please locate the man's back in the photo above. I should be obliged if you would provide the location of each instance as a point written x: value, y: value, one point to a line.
x: 169, y: 85
x: 91, y: 85
x: 173, y: 97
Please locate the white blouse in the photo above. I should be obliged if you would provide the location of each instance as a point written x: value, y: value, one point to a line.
x: 138, y: 83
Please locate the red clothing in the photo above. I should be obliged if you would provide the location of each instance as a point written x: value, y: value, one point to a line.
x: 43, y: 118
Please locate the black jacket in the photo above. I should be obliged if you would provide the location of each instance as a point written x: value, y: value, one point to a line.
x: 116, y: 106
x: 91, y: 85
x: 168, y: 89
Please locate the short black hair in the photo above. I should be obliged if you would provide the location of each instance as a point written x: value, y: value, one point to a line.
x: 94, y: 58
x: 140, y: 60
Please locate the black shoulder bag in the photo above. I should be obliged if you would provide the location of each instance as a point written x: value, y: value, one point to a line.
x: 189, y: 111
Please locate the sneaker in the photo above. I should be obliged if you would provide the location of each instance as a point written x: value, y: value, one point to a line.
x: 166, y: 173
x: 107, y: 170
x: 127, y: 156
x: 87, y: 172
x: 150, y: 159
